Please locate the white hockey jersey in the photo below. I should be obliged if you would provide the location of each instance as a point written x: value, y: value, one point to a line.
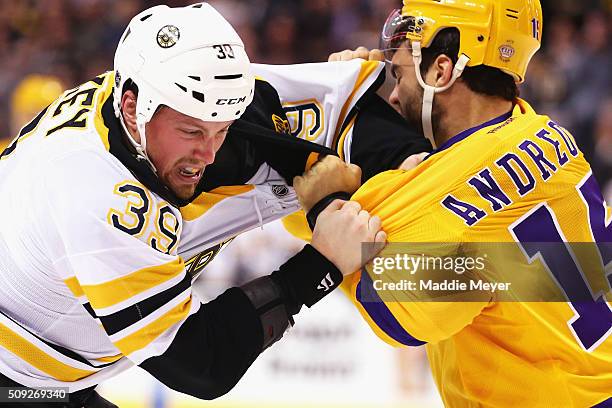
x: 97, y: 260
x: 89, y: 282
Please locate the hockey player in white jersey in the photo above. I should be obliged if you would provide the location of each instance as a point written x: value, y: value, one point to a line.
x: 95, y: 191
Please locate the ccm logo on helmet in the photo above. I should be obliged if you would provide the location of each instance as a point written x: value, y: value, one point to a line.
x: 233, y: 101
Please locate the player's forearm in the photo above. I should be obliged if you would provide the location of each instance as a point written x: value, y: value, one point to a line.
x: 214, y: 347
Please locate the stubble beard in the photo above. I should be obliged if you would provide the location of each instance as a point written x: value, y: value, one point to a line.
x: 412, y: 110
x: 182, y: 191
x: 412, y: 107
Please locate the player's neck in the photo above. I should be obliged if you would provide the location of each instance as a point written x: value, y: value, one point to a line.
x: 465, y: 110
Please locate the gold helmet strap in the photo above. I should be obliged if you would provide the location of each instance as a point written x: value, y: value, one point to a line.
x: 430, y: 91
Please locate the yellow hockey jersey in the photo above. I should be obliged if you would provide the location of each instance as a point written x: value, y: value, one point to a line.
x: 519, y: 179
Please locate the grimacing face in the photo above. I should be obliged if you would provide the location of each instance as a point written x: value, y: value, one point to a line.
x: 181, y: 147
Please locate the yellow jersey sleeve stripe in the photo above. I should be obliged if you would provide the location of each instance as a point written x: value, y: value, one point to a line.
x: 142, y: 337
x: 110, y: 359
x: 74, y: 286
x: 367, y: 68
x: 345, y: 132
x: 377, y: 313
x: 110, y: 293
x: 37, y: 358
x: 206, y: 201
x: 102, y: 96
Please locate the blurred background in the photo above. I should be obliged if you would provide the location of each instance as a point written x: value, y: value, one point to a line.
x: 47, y: 45
x: 330, y: 358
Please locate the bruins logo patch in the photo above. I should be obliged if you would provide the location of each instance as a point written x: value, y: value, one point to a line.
x: 168, y: 36
x: 281, y: 125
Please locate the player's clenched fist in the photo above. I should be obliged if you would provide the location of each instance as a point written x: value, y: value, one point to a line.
x: 339, y: 232
x: 359, y: 52
x: 328, y: 176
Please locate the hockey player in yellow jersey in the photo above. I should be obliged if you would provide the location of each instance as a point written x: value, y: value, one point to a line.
x: 500, y: 173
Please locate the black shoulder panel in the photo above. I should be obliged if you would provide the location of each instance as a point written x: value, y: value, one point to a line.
x: 261, y: 135
x: 382, y: 139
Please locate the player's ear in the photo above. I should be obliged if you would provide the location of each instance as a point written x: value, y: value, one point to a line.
x: 128, y: 109
x: 442, y: 70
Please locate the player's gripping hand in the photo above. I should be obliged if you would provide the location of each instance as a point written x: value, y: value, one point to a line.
x: 413, y: 161
x: 359, y: 52
x: 328, y: 176
x: 339, y: 232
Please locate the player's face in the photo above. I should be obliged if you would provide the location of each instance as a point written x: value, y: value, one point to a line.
x: 181, y: 147
x: 407, y: 96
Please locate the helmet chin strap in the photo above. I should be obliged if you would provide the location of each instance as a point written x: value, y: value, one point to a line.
x: 141, y: 148
x: 430, y: 91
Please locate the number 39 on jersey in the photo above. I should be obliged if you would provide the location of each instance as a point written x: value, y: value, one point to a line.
x: 144, y: 218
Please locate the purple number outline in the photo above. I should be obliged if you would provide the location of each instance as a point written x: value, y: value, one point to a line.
x: 600, y: 228
x: 591, y: 196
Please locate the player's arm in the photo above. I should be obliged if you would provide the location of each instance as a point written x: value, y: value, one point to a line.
x: 259, y: 138
x: 400, y: 317
x: 410, y: 318
x: 215, y: 346
x: 213, y: 349
x: 138, y: 290
x: 391, y: 140
x: 335, y: 105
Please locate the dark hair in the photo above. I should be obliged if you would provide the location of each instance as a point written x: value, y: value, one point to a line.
x: 481, y: 78
x: 129, y: 85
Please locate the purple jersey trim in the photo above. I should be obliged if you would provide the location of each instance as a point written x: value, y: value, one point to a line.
x: 604, y: 404
x: 463, y: 135
x: 381, y: 315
